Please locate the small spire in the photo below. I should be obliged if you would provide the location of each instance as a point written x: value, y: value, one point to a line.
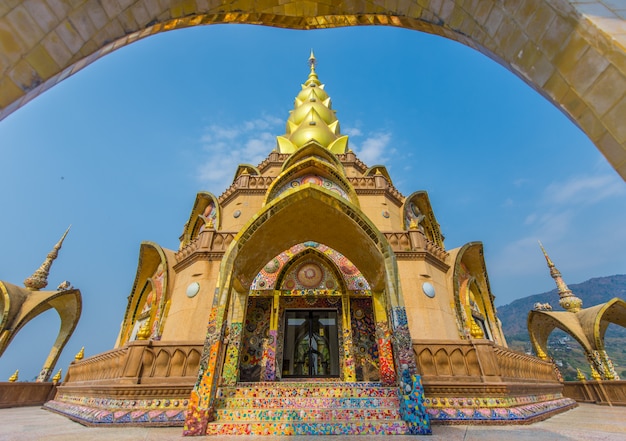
x: 568, y: 300
x: 13, y: 378
x: 57, y: 377
x: 312, y: 61
x: 80, y: 355
x: 39, y: 279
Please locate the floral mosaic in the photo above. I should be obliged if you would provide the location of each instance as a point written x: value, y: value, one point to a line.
x: 364, y: 339
x: 255, y: 339
x: 352, y: 277
x: 315, y: 180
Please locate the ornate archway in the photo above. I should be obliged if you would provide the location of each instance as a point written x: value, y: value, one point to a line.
x: 571, y: 53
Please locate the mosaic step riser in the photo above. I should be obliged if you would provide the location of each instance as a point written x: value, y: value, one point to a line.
x: 307, y: 403
x: 316, y: 415
x: 301, y: 392
x: 313, y: 428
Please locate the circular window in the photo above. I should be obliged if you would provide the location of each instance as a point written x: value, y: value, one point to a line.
x: 193, y: 289
x: 428, y: 289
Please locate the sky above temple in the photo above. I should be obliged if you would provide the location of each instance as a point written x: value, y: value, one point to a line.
x: 120, y: 150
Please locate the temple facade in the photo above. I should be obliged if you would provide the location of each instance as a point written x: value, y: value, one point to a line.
x: 311, y: 297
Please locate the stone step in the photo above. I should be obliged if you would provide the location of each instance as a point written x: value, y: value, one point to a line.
x: 359, y: 427
x: 308, y: 403
x: 303, y: 390
x: 306, y: 415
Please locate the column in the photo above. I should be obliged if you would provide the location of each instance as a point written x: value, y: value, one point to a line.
x: 268, y: 363
x: 383, y: 338
x: 349, y: 367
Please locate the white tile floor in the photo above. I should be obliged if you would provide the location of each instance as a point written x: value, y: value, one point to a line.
x: 585, y: 423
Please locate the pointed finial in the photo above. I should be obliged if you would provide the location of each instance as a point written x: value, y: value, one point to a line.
x: 567, y: 300
x: 312, y: 61
x: 39, y: 279
x: 594, y: 374
x: 579, y: 375
x: 80, y: 355
x: 13, y: 378
x: 57, y: 377
x: 545, y: 254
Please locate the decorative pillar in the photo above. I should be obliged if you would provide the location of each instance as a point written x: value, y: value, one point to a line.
x: 349, y: 366
x: 383, y: 338
x: 230, y: 372
x: 200, y: 410
x: 268, y: 363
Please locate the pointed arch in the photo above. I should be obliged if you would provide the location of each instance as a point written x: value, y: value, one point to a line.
x: 24, y: 305
x: 313, y: 149
x: 195, y: 222
x: 417, y: 208
x: 542, y: 323
x: 151, y: 257
x: 469, y: 281
x: 613, y: 311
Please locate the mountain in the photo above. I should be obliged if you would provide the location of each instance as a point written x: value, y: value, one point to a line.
x: 565, y: 350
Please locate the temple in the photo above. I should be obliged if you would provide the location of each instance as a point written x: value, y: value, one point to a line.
x: 333, y: 307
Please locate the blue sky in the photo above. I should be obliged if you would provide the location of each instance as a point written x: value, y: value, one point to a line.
x: 120, y: 149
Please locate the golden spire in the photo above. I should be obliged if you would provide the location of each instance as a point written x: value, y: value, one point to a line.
x: 39, y: 279
x: 80, y: 355
x: 579, y: 375
x: 57, y: 377
x: 312, y: 119
x: 568, y: 301
x: 13, y: 378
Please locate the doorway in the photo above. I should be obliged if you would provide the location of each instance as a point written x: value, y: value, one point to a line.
x: 311, y: 344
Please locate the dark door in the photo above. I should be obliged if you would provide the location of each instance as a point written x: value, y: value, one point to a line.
x: 311, y: 346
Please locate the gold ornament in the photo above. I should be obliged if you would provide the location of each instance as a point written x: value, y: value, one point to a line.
x: 476, y: 331
x: 79, y: 356
x: 13, y: 378
x: 144, y: 331
x: 579, y: 375
x: 594, y: 374
x: 57, y: 377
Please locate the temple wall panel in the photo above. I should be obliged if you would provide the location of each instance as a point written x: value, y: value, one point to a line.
x: 428, y: 317
x: 187, y: 316
x: 382, y: 211
x: 238, y: 211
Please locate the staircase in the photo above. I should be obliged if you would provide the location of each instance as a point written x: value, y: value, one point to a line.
x: 320, y: 408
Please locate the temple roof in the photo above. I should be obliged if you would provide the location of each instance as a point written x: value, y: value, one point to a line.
x: 312, y: 119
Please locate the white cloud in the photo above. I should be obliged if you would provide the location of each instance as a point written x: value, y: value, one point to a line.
x: 226, y: 146
x: 352, y: 131
x: 374, y: 148
x: 585, y: 189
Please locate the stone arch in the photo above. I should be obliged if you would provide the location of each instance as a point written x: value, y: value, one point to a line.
x: 542, y: 323
x: 570, y: 52
x: 613, y: 311
x: 20, y: 307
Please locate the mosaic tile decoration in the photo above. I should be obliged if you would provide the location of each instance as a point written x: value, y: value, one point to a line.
x: 101, y: 415
x: 255, y: 336
x: 364, y: 339
x: 353, y: 279
x: 308, y: 408
x: 315, y: 180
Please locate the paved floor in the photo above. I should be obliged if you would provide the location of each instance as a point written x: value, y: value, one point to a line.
x: 587, y: 422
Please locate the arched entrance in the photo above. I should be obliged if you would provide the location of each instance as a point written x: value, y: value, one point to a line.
x: 571, y: 53
x: 310, y: 315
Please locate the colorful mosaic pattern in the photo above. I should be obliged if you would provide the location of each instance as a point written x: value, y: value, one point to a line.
x: 364, y: 338
x: 402, y: 340
x: 308, y: 408
x: 231, y: 361
x: 255, y: 335
x: 352, y: 277
x: 310, y: 274
x: 315, y: 180
x: 412, y: 404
